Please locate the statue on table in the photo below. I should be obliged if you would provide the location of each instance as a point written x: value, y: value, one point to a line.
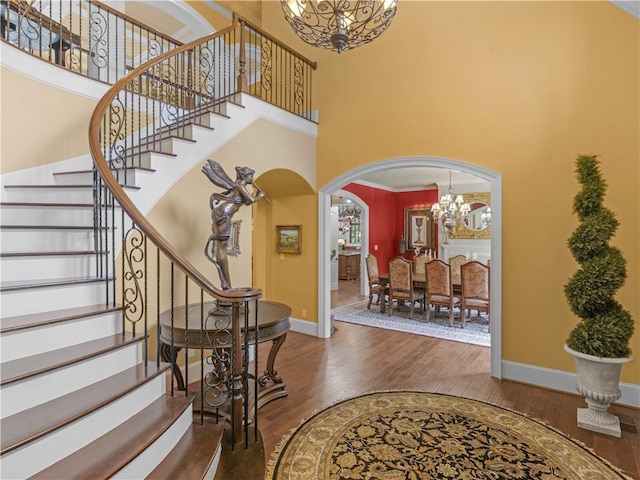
x: 223, y: 206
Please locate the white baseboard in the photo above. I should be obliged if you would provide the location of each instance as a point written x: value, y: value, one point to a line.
x: 561, y: 380
x: 304, y: 326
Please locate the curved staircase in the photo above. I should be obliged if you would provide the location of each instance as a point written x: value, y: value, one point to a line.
x: 78, y: 398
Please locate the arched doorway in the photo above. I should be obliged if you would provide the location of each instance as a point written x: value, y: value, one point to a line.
x: 324, y: 236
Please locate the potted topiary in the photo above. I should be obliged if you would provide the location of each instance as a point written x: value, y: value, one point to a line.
x: 600, y: 342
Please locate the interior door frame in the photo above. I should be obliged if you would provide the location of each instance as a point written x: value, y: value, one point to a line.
x: 324, y: 239
x: 364, y: 236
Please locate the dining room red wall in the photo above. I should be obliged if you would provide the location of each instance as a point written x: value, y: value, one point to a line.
x: 386, y: 217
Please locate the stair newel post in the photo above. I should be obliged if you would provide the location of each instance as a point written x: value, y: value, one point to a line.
x: 242, y: 72
x: 236, y: 382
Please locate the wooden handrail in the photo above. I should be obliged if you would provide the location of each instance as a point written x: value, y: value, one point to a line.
x: 242, y: 20
x: 235, y: 295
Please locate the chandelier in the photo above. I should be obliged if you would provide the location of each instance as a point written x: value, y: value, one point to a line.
x: 346, y: 214
x: 450, y: 210
x: 338, y: 24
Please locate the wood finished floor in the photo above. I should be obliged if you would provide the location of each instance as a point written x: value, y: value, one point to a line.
x: 357, y: 360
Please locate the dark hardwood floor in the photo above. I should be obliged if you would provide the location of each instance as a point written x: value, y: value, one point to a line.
x: 356, y: 360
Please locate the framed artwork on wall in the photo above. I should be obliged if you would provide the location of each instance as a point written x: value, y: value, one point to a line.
x: 289, y: 238
x: 418, y: 229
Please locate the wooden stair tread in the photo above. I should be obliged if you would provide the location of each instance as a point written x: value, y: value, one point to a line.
x: 191, y: 458
x: 185, y: 122
x: 26, y: 367
x: 12, y: 285
x: 26, y: 426
x: 160, y: 136
x: 111, y: 452
x: 73, y: 172
x: 139, y: 152
x: 21, y: 322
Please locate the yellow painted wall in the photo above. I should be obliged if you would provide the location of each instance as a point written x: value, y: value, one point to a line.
x: 516, y: 87
x: 40, y: 124
x: 288, y: 277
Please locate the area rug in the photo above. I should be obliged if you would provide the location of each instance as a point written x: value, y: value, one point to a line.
x: 475, y: 331
x: 417, y: 435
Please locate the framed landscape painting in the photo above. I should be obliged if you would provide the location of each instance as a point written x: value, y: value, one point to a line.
x: 289, y: 238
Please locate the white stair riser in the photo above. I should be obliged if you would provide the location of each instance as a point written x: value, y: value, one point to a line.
x: 127, y: 177
x: 41, y: 240
x: 59, y: 297
x: 28, y: 393
x: 165, y: 146
x: 38, y: 215
x: 212, y: 120
x: 48, y: 267
x: 31, y: 341
x: 50, y: 194
x: 38, y: 455
x: 143, y: 464
x: 73, y: 178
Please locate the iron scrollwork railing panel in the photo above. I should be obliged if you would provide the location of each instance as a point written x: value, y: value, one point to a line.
x: 134, y: 272
x: 218, y: 382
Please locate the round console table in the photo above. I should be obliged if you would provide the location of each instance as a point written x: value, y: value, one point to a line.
x: 273, y: 325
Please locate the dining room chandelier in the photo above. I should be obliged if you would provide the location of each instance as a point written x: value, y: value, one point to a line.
x: 450, y: 210
x: 339, y: 25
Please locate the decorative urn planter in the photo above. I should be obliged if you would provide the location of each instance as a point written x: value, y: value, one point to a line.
x: 597, y: 379
x: 601, y: 341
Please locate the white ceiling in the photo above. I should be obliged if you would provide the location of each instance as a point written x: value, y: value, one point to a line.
x: 415, y: 178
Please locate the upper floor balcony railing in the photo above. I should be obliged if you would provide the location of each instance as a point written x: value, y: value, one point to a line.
x: 84, y: 36
x: 97, y: 41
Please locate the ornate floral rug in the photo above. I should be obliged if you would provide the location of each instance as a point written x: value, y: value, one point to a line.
x: 475, y: 331
x: 416, y: 435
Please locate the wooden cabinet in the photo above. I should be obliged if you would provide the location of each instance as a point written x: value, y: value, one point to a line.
x: 349, y: 266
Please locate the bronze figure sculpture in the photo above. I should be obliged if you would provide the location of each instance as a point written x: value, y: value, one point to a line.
x: 223, y: 206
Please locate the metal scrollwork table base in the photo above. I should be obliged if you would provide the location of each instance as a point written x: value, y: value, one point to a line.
x: 273, y: 325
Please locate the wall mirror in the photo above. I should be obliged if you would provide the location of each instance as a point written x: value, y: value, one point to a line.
x: 477, y: 225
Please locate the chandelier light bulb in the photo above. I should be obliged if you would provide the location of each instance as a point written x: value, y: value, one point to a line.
x: 338, y: 25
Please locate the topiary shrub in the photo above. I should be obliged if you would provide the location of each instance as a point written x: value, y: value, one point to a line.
x: 605, y: 328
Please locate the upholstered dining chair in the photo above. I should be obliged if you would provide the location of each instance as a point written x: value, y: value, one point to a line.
x: 401, y: 285
x: 455, y: 263
x: 374, y: 281
x: 440, y: 288
x: 475, y: 289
